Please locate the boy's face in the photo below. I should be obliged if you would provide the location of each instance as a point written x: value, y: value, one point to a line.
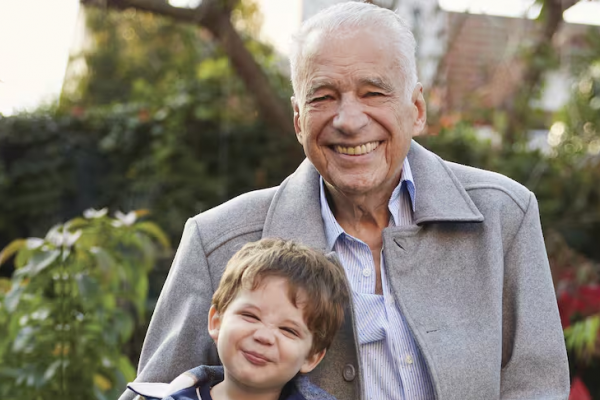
x: 262, y: 338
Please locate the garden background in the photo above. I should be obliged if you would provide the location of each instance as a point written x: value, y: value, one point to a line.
x: 179, y: 109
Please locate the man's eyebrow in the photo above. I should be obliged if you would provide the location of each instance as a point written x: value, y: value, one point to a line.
x: 318, y: 85
x: 377, y: 82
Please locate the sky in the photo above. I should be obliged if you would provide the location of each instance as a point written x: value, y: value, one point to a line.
x: 37, y: 35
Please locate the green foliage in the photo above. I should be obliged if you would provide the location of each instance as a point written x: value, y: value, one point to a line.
x: 84, y: 277
x: 564, y: 186
x: 582, y: 337
x: 159, y: 121
x: 179, y: 160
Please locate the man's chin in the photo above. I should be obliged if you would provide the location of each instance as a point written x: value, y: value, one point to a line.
x: 354, y: 187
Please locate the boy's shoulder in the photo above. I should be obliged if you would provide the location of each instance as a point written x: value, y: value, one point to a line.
x: 184, y: 387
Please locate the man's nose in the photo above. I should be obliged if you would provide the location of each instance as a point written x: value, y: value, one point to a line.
x: 350, y: 117
x: 264, y: 335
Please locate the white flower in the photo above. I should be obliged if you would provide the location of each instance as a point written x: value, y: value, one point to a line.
x: 92, y: 213
x: 34, y: 243
x: 124, y: 219
x: 59, y: 236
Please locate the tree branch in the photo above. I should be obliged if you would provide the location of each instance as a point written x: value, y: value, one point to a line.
x: 518, y: 109
x: 215, y: 16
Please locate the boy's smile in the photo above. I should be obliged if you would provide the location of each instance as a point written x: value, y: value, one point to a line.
x: 262, y: 338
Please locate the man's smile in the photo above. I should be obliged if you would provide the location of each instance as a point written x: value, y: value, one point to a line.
x: 359, y: 150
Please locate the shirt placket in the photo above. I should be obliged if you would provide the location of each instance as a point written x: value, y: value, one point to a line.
x: 394, y: 342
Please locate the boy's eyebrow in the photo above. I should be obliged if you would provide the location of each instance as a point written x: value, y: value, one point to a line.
x: 300, y: 327
x: 248, y: 305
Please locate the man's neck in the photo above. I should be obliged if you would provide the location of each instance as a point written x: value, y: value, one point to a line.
x: 360, y: 215
x: 231, y: 390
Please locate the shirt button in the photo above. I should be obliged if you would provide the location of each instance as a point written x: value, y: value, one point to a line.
x: 408, y: 359
x: 367, y: 272
x: 390, y: 301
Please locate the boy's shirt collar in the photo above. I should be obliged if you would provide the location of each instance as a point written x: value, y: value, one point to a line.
x: 196, y: 383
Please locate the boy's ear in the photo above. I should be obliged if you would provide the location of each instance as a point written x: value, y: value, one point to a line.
x: 312, y: 362
x: 214, y: 323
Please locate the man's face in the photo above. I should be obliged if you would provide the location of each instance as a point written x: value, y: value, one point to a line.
x: 353, y: 117
x: 262, y: 338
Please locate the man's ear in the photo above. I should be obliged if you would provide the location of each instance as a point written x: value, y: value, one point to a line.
x: 312, y: 362
x: 296, y: 109
x: 420, y: 109
x: 214, y: 323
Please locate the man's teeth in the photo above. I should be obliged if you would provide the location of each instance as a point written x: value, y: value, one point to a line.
x: 358, y: 150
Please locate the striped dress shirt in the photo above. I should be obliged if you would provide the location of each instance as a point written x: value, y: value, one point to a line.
x: 392, y: 365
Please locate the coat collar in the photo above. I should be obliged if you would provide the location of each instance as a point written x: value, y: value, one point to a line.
x: 440, y: 195
x: 295, y: 211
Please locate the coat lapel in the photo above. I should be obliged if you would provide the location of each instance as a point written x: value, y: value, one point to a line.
x: 295, y: 212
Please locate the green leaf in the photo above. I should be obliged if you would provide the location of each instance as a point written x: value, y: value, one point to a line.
x: 51, y: 370
x: 11, y: 249
x: 5, y: 285
x: 592, y: 325
x: 88, y: 287
x: 125, y: 367
x: 582, y: 337
x: 124, y: 325
x: 106, y: 262
x: 23, y: 338
x: 141, y: 293
x: 38, y: 262
x: 155, y: 232
x: 11, y: 301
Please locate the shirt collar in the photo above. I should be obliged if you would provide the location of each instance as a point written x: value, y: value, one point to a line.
x: 333, y: 230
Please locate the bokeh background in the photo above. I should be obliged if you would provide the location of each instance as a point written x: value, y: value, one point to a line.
x: 120, y: 119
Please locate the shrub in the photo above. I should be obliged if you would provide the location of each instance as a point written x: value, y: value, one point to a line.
x: 72, y: 302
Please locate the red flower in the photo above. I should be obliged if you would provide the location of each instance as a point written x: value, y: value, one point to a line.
x: 567, y: 306
x: 579, y: 391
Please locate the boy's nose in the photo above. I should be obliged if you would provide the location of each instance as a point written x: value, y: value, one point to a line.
x: 264, y: 335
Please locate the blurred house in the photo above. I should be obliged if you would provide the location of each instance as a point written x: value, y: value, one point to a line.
x: 482, y: 64
x: 466, y: 61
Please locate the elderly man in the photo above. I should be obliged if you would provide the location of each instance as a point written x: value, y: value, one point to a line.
x: 452, y: 294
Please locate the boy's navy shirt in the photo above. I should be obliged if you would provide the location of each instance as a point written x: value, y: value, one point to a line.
x: 299, y: 388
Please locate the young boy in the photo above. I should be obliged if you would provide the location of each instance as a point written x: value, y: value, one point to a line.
x: 273, y: 316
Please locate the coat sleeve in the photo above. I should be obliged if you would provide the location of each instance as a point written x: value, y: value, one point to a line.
x: 177, y: 338
x: 533, y: 350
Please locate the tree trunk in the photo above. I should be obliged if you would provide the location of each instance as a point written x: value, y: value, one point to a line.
x: 215, y: 16
x: 518, y: 109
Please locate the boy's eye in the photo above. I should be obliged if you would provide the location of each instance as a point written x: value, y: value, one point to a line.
x: 250, y: 316
x: 290, y: 330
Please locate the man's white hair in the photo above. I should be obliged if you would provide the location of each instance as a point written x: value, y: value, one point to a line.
x: 350, y: 16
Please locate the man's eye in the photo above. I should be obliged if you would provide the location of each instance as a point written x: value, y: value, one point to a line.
x: 320, y: 98
x: 374, y: 94
x: 250, y: 316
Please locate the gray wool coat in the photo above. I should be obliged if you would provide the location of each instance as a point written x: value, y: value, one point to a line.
x: 471, y: 278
